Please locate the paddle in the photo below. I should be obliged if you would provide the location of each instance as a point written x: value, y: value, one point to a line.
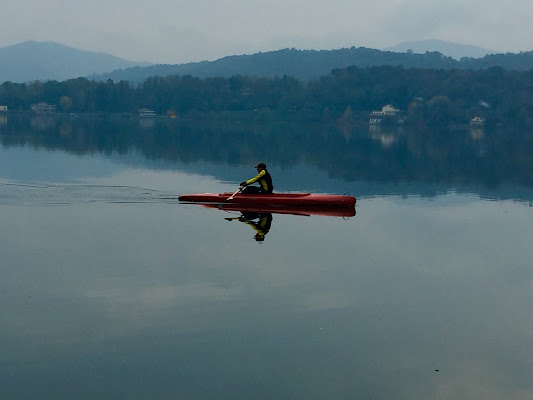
x: 233, y: 195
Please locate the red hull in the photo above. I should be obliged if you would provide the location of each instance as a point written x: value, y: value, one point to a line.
x: 274, y: 199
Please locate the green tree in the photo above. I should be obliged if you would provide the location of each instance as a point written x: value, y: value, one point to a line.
x: 65, y: 103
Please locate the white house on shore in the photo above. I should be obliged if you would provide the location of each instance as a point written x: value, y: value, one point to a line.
x: 146, y: 113
x: 387, y: 111
x: 43, y: 108
x: 477, y: 121
x: 3, y: 116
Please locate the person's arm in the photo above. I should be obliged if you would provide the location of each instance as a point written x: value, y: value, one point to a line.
x: 254, y: 179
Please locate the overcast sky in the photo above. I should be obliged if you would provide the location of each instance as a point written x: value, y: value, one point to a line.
x: 178, y: 31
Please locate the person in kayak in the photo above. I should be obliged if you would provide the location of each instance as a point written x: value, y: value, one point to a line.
x: 264, y: 179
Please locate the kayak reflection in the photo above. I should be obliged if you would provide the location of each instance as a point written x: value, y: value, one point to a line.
x: 293, y: 210
x: 259, y: 217
x: 259, y: 222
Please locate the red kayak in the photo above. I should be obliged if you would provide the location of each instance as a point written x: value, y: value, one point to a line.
x: 274, y: 199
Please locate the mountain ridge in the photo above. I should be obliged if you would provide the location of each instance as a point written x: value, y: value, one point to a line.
x: 312, y: 64
x: 450, y: 49
x: 31, y: 60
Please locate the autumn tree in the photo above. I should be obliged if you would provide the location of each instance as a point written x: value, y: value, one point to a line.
x: 65, y: 103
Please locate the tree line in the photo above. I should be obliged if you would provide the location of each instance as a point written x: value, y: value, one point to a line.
x: 425, y: 96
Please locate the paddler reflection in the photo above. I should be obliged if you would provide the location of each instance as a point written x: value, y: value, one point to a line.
x: 259, y: 222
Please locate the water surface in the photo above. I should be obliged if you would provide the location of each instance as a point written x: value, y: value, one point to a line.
x: 110, y: 288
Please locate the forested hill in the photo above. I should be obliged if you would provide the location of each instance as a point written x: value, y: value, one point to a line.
x: 435, y: 97
x: 312, y: 64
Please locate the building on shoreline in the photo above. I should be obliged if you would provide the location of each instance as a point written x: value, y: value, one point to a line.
x: 146, y: 113
x: 43, y: 108
x: 477, y: 121
x: 387, y: 112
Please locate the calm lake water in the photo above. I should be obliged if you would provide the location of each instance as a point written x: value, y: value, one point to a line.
x: 110, y: 288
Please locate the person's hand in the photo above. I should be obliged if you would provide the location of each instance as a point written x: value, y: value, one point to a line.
x: 243, y: 184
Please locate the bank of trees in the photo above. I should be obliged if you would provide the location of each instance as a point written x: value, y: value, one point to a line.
x: 426, y: 96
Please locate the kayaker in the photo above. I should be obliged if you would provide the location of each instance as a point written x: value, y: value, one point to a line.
x: 264, y: 179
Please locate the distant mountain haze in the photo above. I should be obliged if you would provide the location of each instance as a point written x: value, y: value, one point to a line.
x: 450, y: 49
x: 30, y: 61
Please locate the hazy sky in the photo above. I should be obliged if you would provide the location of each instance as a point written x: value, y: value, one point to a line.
x: 177, y: 31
